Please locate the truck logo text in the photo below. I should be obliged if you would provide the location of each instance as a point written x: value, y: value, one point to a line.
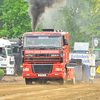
x: 42, y: 51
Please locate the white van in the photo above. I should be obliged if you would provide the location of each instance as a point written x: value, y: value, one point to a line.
x: 6, y: 57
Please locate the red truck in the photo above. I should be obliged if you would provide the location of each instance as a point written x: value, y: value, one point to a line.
x: 45, y: 57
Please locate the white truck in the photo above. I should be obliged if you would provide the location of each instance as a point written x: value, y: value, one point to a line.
x: 6, y: 57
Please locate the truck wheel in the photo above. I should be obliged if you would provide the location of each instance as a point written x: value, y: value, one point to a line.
x: 62, y: 81
x: 28, y: 81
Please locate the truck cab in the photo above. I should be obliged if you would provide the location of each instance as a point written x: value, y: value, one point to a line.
x: 17, y: 52
x: 6, y: 57
x: 45, y: 55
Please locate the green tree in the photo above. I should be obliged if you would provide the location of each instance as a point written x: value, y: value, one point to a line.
x: 79, y: 17
x: 1, y: 23
x: 15, y: 18
x: 70, y: 19
x: 93, y: 27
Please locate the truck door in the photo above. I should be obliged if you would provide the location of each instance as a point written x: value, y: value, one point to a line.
x: 10, y: 57
x: 3, y: 61
x: 64, y: 50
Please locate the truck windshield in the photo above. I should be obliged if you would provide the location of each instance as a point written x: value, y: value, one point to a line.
x: 2, y: 51
x: 42, y: 41
x: 9, y: 52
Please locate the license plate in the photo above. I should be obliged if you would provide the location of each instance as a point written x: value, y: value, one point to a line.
x: 42, y: 75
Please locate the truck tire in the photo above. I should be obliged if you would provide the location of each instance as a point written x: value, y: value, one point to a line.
x: 62, y: 81
x: 28, y: 81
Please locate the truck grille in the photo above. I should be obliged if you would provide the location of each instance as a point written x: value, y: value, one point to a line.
x: 41, y: 55
x: 42, y: 68
x: 4, y: 65
x: 42, y: 58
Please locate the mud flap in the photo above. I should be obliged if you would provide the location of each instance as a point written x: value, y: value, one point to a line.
x: 77, y: 69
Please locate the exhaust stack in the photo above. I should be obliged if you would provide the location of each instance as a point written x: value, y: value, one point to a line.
x: 38, y: 7
x: 47, y: 30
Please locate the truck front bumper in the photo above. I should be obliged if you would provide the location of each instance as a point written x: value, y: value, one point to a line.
x: 46, y: 75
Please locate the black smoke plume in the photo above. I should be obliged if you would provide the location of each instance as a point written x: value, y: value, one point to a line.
x: 38, y: 7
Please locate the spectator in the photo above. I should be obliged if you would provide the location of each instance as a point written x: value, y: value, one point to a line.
x: 32, y: 44
x: 82, y: 47
x: 57, y: 43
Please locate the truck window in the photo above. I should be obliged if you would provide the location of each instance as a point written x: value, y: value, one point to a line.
x: 9, y: 52
x: 0, y: 50
x: 42, y: 41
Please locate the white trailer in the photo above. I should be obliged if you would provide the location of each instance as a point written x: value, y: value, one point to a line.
x: 6, y: 57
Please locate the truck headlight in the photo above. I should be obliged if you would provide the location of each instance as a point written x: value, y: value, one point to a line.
x: 58, y: 69
x: 25, y: 69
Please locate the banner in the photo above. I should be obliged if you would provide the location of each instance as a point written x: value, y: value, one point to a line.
x: 95, y: 41
x: 87, y: 59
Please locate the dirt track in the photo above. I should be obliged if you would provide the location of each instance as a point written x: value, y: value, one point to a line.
x: 14, y: 88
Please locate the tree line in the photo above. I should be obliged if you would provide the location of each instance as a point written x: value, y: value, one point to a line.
x: 81, y: 18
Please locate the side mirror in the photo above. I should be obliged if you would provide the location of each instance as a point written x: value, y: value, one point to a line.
x: 3, y: 53
x: 66, y: 41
